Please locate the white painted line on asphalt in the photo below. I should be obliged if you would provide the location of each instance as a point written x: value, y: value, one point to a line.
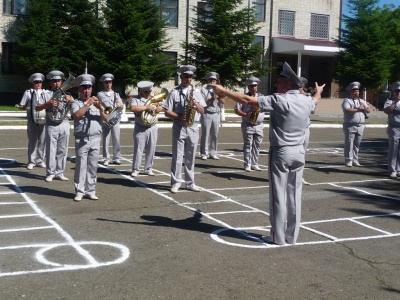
x: 91, y: 262
x: 27, y: 229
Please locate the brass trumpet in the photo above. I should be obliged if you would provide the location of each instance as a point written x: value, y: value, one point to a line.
x: 107, y: 109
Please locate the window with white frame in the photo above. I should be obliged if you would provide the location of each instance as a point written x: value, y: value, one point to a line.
x: 286, y: 21
x: 7, y: 53
x: 319, y: 27
x: 14, y: 7
x: 169, y: 12
x: 259, y: 10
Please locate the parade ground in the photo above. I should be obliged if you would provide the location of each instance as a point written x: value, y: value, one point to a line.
x: 139, y: 241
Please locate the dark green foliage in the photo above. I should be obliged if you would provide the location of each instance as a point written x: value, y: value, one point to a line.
x: 126, y: 39
x: 368, y: 44
x: 131, y: 42
x: 57, y: 35
x: 223, y: 42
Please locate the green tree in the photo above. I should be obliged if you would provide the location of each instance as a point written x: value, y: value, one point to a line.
x: 394, y: 31
x: 367, y: 44
x: 36, y: 37
x: 131, y: 43
x: 224, y: 42
x: 57, y: 35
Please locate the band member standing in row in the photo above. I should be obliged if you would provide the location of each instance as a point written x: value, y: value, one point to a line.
x: 88, y: 116
x: 211, y: 119
x: 253, y: 132
x: 57, y: 132
x: 35, y: 127
x: 109, y: 98
x: 185, y: 134
x: 354, y: 114
x: 392, y: 109
x: 144, y: 135
x: 289, y: 117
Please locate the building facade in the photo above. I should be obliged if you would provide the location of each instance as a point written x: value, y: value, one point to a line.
x: 301, y: 32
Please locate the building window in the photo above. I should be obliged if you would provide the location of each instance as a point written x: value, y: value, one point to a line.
x: 259, y: 10
x: 171, y: 58
x: 259, y: 41
x: 319, y: 26
x: 14, y: 7
x: 169, y: 12
x: 7, y: 54
x: 201, y: 5
x: 286, y: 22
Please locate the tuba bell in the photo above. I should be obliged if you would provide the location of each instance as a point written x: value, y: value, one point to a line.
x: 58, y: 113
x: 149, y: 118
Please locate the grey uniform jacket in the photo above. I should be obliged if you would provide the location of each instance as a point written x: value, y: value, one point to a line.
x: 289, y: 117
x: 90, y: 123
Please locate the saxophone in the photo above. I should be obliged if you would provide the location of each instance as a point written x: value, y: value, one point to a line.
x: 190, y: 111
x: 254, y: 114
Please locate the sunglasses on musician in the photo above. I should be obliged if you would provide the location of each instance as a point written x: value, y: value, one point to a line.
x: 107, y: 82
x: 86, y: 86
x: 37, y: 81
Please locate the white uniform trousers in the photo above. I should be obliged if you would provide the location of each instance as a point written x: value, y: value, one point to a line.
x: 87, y: 151
x: 352, y: 140
x: 145, y: 140
x: 184, y: 144
x: 209, y: 132
x: 116, y: 134
x: 393, y: 151
x: 252, y: 139
x: 57, y: 139
x: 36, y: 143
x: 286, y: 165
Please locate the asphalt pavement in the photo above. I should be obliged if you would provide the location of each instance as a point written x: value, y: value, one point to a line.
x: 139, y: 241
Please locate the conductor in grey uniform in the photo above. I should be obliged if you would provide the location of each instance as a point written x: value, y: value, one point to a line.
x: 252, y: 127
x: 184, y: 106
x: 290, y: 111
x: 392, y: 109
x: 354, y: 114
x: 211, y: 119
x: 35, y: 124
x: 145, y: 134
x: 109, y: 98
x: 57, y: 130
x: 88, y: 115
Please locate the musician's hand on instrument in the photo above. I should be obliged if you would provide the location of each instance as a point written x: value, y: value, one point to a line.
x: 158, y: 109
x: 68, y: 98
x: 52, y: 103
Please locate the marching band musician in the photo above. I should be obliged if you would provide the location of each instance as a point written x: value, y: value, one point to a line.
x: 35, y: 127
x: 185, y: 135
x: 354, y: 115
x: 211, y: 119
x: 109, y: 98
x: 289, y: 118
x: 252, y: 133
x: 144, y: 135
x: 88, y: 115
x: 57, y: 133
x: 392, y: 109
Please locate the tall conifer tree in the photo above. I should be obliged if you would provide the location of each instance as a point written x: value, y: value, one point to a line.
x: 131, y: 42
x: 366, y: 43
x: 223, y: 42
